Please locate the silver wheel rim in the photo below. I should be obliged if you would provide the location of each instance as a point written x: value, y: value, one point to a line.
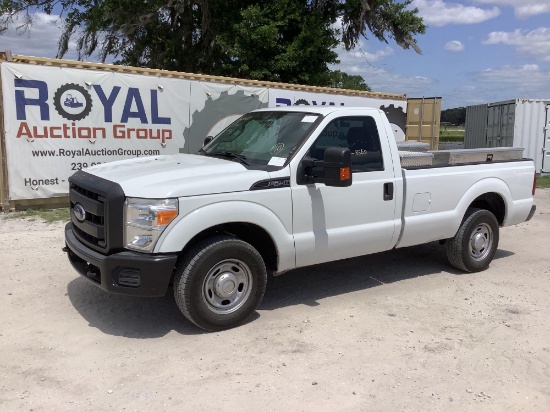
x: 481, y: 241
x: 227, y: 286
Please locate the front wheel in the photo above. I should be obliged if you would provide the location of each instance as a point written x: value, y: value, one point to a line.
x: 473, y: 247
x: 220, y: 282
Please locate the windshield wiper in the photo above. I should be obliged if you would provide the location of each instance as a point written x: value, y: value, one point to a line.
x: 230, y: 155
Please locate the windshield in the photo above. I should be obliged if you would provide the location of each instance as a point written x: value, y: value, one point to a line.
x: 262, y: 138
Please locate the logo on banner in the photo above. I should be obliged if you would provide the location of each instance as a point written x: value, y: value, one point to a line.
x: 73, y: 102
x: 282, y: 101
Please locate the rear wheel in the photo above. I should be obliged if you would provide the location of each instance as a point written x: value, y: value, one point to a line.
x: 220, y: 282
x: 473, y: 247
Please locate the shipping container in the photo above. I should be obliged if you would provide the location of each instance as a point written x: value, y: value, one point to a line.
x: 476, y: 127
x: 521, y: 123
x: 423, y: 120
x: 500, y: 124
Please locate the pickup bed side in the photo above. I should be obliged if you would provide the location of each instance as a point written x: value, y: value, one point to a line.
x: 436, y: 199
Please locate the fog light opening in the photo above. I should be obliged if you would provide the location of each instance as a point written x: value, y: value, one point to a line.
x: 129, y: 278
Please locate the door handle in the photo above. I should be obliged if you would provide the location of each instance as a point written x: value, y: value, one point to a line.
x: 388, y: 191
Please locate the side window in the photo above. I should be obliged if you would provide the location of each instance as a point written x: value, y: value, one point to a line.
x: 360, y: 135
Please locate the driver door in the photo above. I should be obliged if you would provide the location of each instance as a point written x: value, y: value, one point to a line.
x: 331, y: 223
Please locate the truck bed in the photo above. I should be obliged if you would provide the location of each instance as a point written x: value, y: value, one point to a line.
x: 436, y: 197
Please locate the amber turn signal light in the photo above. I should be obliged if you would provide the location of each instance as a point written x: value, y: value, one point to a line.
x: 166, y: 216
x: 345, y: 173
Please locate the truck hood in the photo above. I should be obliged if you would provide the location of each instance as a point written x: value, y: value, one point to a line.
x: 178, y: 175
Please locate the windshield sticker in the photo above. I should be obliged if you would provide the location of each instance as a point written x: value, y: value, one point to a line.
x: 309, y: 119
x: 277, y: 161
x: 277, y: 148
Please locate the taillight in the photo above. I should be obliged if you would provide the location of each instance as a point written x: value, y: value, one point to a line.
x: 534, y: 183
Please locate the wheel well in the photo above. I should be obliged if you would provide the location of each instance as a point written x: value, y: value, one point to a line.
x: 492, y: 202
x: 248, y: 232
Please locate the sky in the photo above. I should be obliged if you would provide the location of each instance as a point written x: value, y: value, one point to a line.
x: 473, y: 52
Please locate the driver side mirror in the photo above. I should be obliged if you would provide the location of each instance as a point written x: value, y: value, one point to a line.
x: 336, y: 164
x: 207, y: 140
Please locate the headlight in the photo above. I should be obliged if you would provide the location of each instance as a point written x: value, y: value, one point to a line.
x: 146, y: 219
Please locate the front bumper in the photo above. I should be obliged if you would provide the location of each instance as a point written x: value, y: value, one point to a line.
x: 127, y: 273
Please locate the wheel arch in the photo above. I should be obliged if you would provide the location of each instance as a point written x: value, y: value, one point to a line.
x: 490, y: 194
x: 250, y: 233
x: 250, y: 222
x: 492, y: 202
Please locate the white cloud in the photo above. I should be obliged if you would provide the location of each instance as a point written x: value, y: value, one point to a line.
x: 362, y: 57
x: 439, y: 13
x: 356, y: 60
x: 372, y: 68
x: 535, y: 42
x: 528, y: 78
x: 454, y: 46
x: 385, y: 81
x: 522, y: 8
x: 40, y: 41
x: 462, y: 96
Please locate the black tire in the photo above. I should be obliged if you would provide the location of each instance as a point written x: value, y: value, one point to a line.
x: 473, y: 247
x: 220, y: 282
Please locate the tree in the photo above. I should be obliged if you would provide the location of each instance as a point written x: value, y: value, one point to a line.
x: 456, y: 116
x: 383, y: 18
x: 343, y: 80
x: 282, y: 40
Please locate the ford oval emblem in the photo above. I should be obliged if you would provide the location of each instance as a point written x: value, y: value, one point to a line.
x: 79, y: 212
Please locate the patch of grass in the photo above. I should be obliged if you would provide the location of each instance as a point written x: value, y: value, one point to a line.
x: 543, y: 182
x: 47, y: 215
x: 451, y: 135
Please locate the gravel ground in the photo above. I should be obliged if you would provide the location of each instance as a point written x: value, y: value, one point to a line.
x: 395, y: 331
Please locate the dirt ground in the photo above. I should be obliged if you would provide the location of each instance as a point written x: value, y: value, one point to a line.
x: 396, y: 331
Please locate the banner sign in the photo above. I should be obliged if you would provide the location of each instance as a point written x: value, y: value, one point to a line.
x: 60, y: 120
x: 214, y: 106
x: 396, y: 110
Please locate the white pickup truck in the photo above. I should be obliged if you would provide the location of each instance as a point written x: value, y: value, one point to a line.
x: 277, y: 190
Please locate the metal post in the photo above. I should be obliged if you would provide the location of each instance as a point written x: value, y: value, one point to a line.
x: 421, y: 120
x: 433, y: 124
x: 4, y: 193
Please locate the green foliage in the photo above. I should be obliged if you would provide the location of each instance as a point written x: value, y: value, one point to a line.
x: 455, y: 116
x: 281, y: 40
x: 383, y: 18
x: 543, y: 182
x: 277, y: 42
x: 343, y: 80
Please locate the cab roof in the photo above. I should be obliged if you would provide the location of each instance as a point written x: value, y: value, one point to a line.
x: 322, y: 110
